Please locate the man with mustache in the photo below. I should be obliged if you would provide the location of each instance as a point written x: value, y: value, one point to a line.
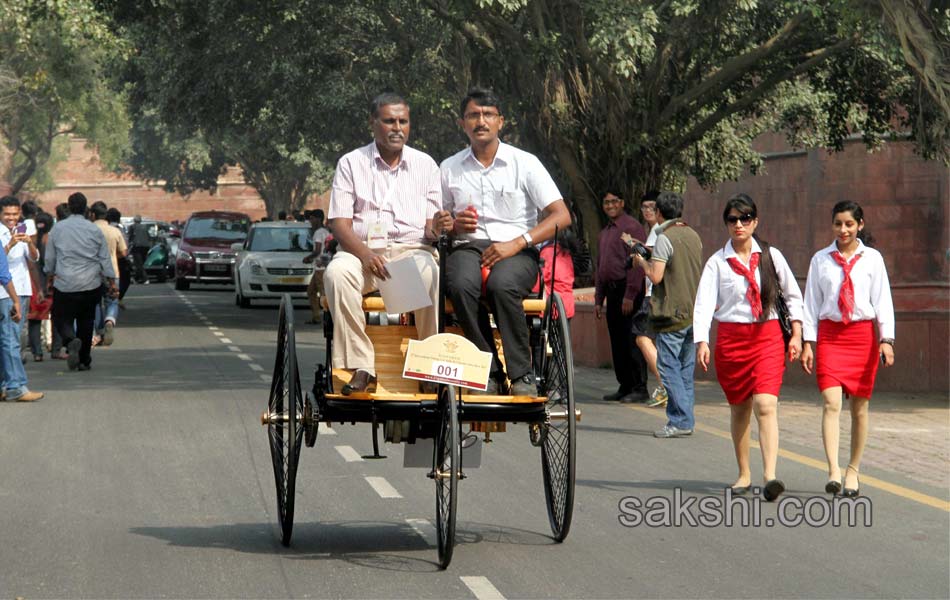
x: 386, y: 204
x: 495, y: 192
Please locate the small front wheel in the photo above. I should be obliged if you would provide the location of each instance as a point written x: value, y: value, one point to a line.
x: 446, y: 464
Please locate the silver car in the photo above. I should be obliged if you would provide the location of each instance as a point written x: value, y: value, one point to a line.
x: 270, y: 262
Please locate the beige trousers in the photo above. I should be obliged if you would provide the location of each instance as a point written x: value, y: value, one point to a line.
x: 314, y: 292
x: 345, y: 282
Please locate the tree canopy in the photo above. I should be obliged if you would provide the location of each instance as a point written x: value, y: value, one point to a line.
x: 55, y: 62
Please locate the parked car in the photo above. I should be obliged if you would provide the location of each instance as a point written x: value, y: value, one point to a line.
x: 205, y: 254
x: 270, y: 262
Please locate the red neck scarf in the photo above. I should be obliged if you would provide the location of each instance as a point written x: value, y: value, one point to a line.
x: 752, y: 294
x: 846, y: 296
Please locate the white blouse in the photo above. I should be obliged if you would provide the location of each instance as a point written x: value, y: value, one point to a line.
x: 872, y: 291
x: 722, y: 291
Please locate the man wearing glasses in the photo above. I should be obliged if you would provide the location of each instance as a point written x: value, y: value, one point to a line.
x: 495, y: 192
x: 621, y: 290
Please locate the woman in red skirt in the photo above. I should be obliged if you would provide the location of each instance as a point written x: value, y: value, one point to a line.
x: 847, y: 291
x: 739, y: 289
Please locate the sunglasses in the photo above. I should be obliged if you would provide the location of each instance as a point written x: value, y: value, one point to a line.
x: 744, y: 219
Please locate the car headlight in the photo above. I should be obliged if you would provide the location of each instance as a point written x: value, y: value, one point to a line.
x: 256, y: 268
x: 183, y: 255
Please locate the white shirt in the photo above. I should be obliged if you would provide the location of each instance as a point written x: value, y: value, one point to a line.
x: 508, y: 194
x: 872, y: 291
x: 319, y: 239
x: 651, y: 241
x: 722, y: 291
x: 19, y: 269
x: 366, y: 189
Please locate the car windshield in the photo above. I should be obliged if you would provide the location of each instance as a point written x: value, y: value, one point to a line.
x: 215, y: 228
x: 281, y: 239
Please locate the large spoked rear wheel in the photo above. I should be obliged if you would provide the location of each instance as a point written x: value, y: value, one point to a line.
x: 285, y: 407
x: 558, y: 433
x: 446, y: 464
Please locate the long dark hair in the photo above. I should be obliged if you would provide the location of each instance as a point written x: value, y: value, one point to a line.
x: 855, y: 209
x: 768, y: 289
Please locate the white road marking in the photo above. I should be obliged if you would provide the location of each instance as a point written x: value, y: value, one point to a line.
x: 349, y: 454
x: 256, y: 367
x: 266, y: 378
x: 326, y: 430
x: 213, y: 328
x: 425, y: 529
x: 482, y: 588
x: 382, y: 487
x: 225, y: 340
x: 218, y: 333
x: 234, y: 348
x: 245, y: 357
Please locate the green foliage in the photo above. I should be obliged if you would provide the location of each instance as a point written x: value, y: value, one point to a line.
x: 55, y: 59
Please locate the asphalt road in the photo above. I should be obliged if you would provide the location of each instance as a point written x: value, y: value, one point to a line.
x: 150, y: 476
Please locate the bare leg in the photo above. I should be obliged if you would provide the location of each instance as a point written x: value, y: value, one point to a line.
x: 766, y: 414
x: 859, y: 436
x: 648, y: 349
x: 741, y: 435
x: 830, y: 429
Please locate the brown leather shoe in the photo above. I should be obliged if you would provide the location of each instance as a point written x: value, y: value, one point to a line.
x: 360, y: 382
x: 29, y: 397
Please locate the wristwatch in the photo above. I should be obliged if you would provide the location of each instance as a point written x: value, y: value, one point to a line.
x: 889, y: 341
x: 527, y: 239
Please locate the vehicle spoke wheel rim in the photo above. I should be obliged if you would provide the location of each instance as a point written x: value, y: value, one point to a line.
x: 446, y: 465
x: 558, y: 435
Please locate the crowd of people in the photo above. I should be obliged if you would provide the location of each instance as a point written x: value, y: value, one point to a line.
x: 64, y: 277
x: 842, y: 328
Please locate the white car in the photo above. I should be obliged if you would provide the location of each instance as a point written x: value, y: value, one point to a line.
x: 270, y: 263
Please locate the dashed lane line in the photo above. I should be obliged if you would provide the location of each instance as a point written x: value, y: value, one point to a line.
x: 245, y: 357
x: 225, y: 340
x: 234, y: 348
x: 256, y: 367
x: 349, y: 454
x: 265, y: 377
x: 382, y: 487
x: 482, y: 588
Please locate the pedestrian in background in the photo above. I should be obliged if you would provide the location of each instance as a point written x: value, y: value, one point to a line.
x: 141, y: 243
x: 642, y: 332
x: 40, y: 303
x: 77, y: 260
x: 674, y: 269
x: 561, y: 267
x: 621, y: 289
x: 846, y: 293
x: 20, y: 249
x: 114, y: 218
x: 739, y: 288
x: 318, y: 234
x: 109, y: 307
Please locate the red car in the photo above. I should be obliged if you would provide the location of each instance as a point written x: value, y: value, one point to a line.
x: 205, y: 254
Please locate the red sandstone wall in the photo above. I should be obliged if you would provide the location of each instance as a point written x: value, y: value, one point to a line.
x: 82, y: 172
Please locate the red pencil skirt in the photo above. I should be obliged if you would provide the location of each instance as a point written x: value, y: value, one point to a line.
x: 750, y: 359
x: 847, y: 355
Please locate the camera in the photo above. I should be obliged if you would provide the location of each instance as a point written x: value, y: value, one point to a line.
x: 640, y: 249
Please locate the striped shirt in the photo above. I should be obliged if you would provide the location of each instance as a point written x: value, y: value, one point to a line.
x: 402, y: 198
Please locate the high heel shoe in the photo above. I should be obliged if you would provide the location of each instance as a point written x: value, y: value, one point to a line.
x: 852, y: 492
x: 773, y: 489
x: 833, y: 487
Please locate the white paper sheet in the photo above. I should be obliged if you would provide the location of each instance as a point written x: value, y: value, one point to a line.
x: 404, y: 291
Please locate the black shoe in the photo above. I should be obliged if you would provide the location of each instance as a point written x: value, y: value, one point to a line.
x: 360, y: 382
x: 491, y: 390
x: 833, y: 487
x: 635, y: 398
x: 773, y: 489
x: 83, y: 367
x: 73, y: 347
x: 616, y: 395
x: 524, y: 386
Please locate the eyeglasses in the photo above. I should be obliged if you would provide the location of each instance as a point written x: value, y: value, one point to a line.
x: 648, y: 207
x: 613, y: 201
x: 487, y: 115
x: 744, y: 219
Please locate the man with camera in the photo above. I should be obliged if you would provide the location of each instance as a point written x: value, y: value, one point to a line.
x: 621, y: 288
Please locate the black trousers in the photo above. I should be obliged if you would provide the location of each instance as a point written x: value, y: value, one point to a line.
x: 511, y: 281
x: 629, y: 364
x: 139, y: 253
x: 81, y: 308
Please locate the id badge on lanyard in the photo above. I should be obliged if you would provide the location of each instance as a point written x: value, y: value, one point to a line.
x: 377, y: 236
